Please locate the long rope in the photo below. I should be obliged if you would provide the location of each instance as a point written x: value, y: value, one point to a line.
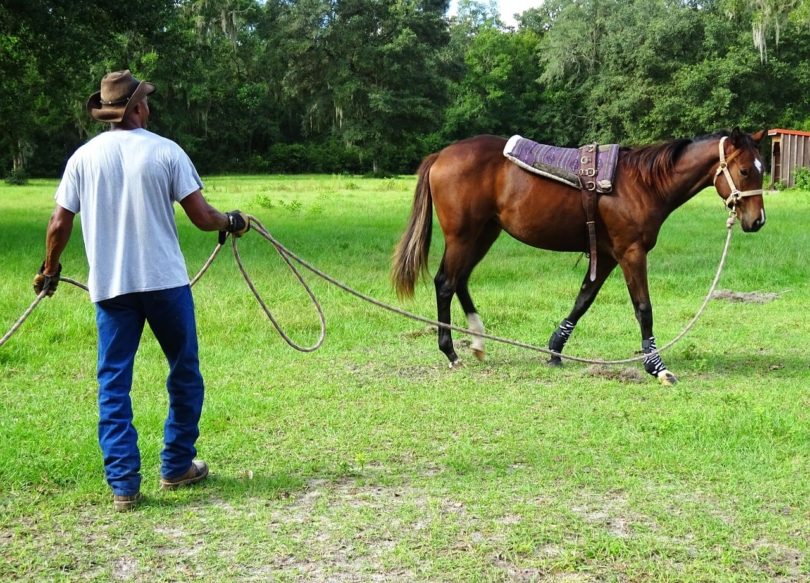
x: 16, y: 326
x: 284, y: 252
x: 33, y: 305
x: 289, y: 256
x: 23, y: 318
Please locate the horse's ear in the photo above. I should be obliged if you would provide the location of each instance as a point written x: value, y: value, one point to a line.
x: 738, y: 137
x: 757, y: 137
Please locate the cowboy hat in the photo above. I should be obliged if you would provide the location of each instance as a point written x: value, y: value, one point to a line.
x: 119, y: 90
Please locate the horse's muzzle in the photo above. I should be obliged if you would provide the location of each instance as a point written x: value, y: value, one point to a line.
x: 756, y: 225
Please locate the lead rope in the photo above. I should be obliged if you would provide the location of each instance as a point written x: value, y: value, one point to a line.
x: 288, y: 255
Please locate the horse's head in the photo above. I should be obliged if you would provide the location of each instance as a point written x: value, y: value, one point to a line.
x: 739, y: 177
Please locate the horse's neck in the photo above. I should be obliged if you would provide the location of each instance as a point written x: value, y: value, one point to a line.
x: 694, y: 171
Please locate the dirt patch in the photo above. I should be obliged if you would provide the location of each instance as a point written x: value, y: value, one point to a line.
x: 778, y: 562
x: 611, y: 511
x: 334, y: 508
x: 623, y: 375
x: 427, y: 331
x: 745, y: 297
x: 125, y: 568
x: 518, y: 574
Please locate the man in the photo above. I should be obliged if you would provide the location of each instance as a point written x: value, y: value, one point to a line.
x: 124, y: 183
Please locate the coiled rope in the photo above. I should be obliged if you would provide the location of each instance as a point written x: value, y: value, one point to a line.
x: 289, y: 257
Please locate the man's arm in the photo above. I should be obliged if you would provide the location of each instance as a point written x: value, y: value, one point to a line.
x: 203, y: 215
x: 207, y: 218
x: 59, y: 229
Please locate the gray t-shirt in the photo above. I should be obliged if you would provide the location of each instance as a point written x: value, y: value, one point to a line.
x: 124, y: 183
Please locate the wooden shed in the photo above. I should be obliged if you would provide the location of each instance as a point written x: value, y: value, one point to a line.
x: 790, y: 149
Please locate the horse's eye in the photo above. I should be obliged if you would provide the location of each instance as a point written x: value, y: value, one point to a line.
x: 744, y: 171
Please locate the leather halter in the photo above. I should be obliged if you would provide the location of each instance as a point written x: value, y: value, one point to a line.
x: 736, y: 194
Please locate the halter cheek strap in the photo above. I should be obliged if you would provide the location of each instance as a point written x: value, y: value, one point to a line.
x: 736, y: 194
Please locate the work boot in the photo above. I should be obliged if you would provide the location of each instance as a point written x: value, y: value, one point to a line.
x: 196, y: 473
x: 126, y: 503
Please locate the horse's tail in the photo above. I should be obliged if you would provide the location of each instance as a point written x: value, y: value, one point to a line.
x: 411, y: 255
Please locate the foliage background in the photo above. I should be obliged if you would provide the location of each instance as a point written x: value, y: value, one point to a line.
x: 373, y: 85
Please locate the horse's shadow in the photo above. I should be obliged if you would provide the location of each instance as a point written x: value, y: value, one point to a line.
x: 743, y: 364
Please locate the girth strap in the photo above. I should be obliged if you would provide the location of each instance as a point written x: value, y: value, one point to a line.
x: 587, y: 183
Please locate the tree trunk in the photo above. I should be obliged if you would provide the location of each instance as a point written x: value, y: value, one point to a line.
x: 18, y: 157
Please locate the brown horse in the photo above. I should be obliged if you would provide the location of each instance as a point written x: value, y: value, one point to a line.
x: 478, y: 193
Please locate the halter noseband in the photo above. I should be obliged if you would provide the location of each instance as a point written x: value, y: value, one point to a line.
x: 736, y: 194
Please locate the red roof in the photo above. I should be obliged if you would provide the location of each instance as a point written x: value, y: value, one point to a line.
x: 788, y: 132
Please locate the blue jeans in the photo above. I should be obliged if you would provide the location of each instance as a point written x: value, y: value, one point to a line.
x: 120, y: 322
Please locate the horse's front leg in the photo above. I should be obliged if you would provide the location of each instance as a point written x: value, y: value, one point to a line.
x: 634, y: 267
x: 586, y: 296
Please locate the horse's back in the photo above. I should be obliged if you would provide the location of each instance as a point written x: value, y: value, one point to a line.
x: 473, y: 183
x: 472, y: 157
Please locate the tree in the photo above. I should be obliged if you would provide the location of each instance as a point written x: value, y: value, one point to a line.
x: 45, y: 73
x: 499, y: 92
x: 358, y: 85
x: 768, y: 17
x: 650, y: 69
x: 367, y: 72
x: 216, y: 97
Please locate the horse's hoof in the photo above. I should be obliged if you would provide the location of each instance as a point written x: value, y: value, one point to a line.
x: 555, y: 361
x: 455, y: 364
x: 667, y: 378
x: 479, y: 354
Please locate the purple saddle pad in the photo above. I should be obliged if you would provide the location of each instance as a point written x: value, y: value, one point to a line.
x: 562, y: 164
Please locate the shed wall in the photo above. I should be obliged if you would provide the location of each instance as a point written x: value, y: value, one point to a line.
x: 793, y: 152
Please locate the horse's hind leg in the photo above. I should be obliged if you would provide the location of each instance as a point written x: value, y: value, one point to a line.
x: 460, y: 257
x: 445, y: 288
x: 474, y: 322
x: 587, y: 293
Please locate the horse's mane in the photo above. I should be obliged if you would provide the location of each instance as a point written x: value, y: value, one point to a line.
x: 652, y: 165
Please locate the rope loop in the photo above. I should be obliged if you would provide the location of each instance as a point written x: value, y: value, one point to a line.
x: 257, y: 226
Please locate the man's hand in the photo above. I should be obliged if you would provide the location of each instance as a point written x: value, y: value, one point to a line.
x: 47, y: 282
x: 238, y: 225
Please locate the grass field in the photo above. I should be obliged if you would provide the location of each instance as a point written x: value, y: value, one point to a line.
x: 370, y: 460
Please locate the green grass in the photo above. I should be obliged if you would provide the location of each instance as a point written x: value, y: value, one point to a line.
x: 370, y: 460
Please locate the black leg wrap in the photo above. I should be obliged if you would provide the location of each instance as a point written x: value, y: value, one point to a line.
x: 652, y: 362
x: 559, y: 338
